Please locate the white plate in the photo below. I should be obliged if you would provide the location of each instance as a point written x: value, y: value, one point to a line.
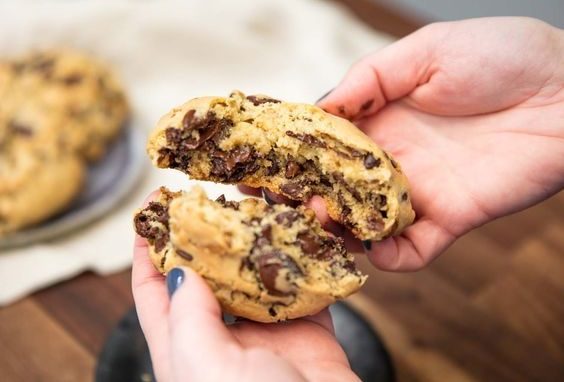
x: 107, y: 183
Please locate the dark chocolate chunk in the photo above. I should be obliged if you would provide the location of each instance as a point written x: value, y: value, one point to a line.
x: 266, y: 232
x: 287, y: 218
x: 341, y: 180
x: 20, y: 129
x: 292, y: 169
x: 184, y: 254
x: 156, y: 236
x: 274, y: 167
x: 272, y: 311
x: 307, y: 138
x: 370, y: 161
x: 404, y: 197
x: 270, y: 264
x: 260, y: 100
x: 187, y: 119
x: 350, y: 266
x: 160, y: 211
x: 72, y: 79
x: 293, y: 190
x: 309, y: 243
x: 375, y: 223
x: 365, y: 106
x: 233, y: 165
x: 227, y: 203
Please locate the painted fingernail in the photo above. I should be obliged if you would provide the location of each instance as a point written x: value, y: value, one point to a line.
x: 367, y: 245
x: 324, y: 95
x: 267, y: 197
x: 174, y: 279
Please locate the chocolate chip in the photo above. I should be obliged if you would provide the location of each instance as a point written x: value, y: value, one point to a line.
x: 293, y: 190
x: 72, y: 79
x: 272, y: 311
x: 269, y: 266
x: 188, y: 118
x: 20, y: 129
x: 160, y: 211
x: 184, y: 254
x: 375, y: 223
x: 287, y: 218
x: 404, y: 197
x: 309, y: 243
x: 266, y: 232
x: 307, y: 138
x: 370, y: 161
x: 260, y: 100
x: 365, y: 106
x: 227, y: 203
x: 353, y: 191
x: 274, y: 167
x: 292, y: 169
x: 350, y: 266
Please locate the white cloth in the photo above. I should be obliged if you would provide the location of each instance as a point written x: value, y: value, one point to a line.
x: 166, y: 53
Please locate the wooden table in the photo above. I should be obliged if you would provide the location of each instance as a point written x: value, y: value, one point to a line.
x: 491, y: 309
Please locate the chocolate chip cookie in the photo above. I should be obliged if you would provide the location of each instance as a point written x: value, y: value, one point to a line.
x: 77, y: 89
x: 265, y: 263
x: 35, y: 184
x: 58, y: 110
x: 297, y: 150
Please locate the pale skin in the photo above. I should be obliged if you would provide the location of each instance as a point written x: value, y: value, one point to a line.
x: 474, y: 113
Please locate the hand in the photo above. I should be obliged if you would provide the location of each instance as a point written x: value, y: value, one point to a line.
x: 474, y: 113
x: 188, y: 340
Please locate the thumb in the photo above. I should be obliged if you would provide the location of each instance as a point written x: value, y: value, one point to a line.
x: 197, y: 331
x: 381, y: 77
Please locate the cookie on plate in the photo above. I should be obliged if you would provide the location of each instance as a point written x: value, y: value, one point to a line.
x: 297, y: 150
x: 265, y: 263
x: 35, y: 184
x: 77, y: 89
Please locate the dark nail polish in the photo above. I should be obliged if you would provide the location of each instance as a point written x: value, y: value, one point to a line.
x: 267, y: 198
x: 324, y: 95
x: 367, y: 245
x: 174, y: 279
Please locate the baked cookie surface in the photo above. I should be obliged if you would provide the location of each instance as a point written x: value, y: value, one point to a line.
x: 265, y: 263
x: 35, y: 185
x: 78, y: 90
x: 297, y: 150
x: 58, y: 110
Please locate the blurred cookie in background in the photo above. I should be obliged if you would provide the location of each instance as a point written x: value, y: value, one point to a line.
x: 73, y: 86
x: 59, y: 110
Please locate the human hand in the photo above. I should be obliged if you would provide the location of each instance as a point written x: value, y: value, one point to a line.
x: 474, y: 113
x: 188, y: 340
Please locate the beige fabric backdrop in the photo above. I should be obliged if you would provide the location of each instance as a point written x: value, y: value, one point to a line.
x: 168, y: 52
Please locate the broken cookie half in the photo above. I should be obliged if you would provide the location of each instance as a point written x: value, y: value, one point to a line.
x: 265, y: 263
x: 297, y: 150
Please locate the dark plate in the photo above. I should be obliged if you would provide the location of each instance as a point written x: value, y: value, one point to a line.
x: 125, y: 356
x: 107, y: 182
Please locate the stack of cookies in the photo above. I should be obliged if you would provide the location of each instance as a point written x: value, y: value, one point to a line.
x: 59, y: 110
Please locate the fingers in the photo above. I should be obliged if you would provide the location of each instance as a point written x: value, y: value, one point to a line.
x: 322, y: 319
x: 381, y: 77
x: 151, y: 302
x: 418, y: 245
x: 198, y: 334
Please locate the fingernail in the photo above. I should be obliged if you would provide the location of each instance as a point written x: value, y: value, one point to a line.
x: 367, y: 245
x: 324, y: 95
x: 267, y: 198
x: 174, y: 279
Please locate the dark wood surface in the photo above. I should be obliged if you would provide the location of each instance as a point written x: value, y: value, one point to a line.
x: 490, y: 309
